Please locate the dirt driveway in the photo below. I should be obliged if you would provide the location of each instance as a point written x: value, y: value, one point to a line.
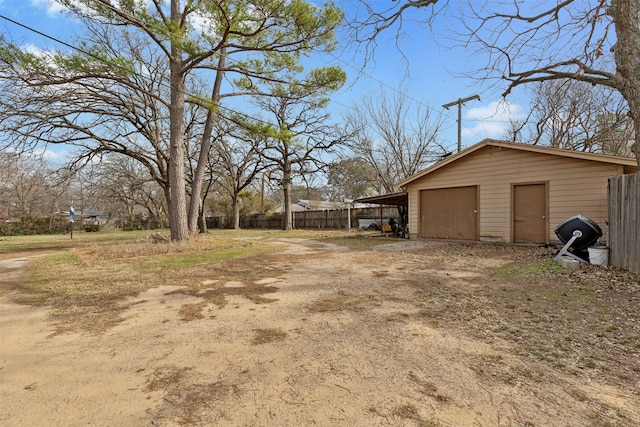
x: 405, y: 334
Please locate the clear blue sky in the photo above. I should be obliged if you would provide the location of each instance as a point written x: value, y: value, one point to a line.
x: 430, y: 72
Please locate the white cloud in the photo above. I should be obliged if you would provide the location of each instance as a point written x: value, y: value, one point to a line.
x: 35, y: 50
x: 54, y: 155
x: 490, y: 121
x: 199, y: 22
x: 47, y: 55
x: 52, y: 6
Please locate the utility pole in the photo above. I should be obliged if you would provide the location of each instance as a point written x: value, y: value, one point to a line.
x: 460, y: 101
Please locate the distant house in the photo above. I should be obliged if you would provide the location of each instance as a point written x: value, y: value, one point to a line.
x: 89, y: 217
x: 279, y: 208
x: 312, y: 205
x: 506, y: 192
x: 94, y: 215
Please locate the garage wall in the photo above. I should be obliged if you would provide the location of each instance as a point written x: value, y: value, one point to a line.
x: 576, y: 186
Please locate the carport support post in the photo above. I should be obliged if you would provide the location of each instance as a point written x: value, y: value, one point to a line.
x: 349, y: 202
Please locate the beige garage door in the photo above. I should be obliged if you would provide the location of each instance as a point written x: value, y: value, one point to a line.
x: 449, y: 213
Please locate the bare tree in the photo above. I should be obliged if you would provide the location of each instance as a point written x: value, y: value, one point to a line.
x: 373, y: 18
x: 577, y: 116
x: 238, y: 163
x: 265, y: 37
x: 34, y: 189
x: 593, y: 41
x: 25, y: 181
x: 303, y: 133
x: 396, y: 139
x: 614, y: 134
x: 350, y: 178
x: 99, y: 110
x: 125, y: 189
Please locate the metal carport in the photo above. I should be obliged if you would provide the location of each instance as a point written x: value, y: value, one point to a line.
x: 399, y: 199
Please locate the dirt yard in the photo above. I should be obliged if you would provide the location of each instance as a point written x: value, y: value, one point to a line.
x: 315, y: 333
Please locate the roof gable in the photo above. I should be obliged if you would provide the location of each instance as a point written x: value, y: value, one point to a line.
x: 629, y: 164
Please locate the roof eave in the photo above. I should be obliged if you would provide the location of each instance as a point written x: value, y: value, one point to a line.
x: 627, y: 163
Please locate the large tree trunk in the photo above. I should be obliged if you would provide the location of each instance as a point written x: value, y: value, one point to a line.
x: 236, y: 211
x: 202, y: 220
x: 286, y: 187
x: 205, y: 146
x: 626, y: 16
x: 166, y: 190
x: 177, y: 210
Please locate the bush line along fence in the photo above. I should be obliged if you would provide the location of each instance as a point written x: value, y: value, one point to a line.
x: 334, y: 219
x: 624, y: 222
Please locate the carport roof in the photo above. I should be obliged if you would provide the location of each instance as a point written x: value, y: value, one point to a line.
x: 394, y: 199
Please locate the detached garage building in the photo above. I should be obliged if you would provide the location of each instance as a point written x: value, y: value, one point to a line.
x: 505, y: 192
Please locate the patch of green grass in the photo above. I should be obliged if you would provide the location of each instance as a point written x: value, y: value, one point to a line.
x: 13, y: 246
x: 358, y: 241
x: 84, y: 284
x: 39, y: 293
x: 188, y: 259
x: 529, y: 268
x: 277, y: 234
x: 69, y: 257
x: 43, y: 287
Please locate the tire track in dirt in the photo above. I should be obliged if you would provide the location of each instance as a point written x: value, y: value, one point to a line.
x: 342, y: 345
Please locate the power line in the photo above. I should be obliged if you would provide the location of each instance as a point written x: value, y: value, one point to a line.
x: 197, y: 97
x: 417, y: 101
x: 236, y: 61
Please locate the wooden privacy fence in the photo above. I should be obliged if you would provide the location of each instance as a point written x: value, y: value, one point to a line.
x: 335, y: 219
x: 624, y: 224
x: 321, y: 219
x: 338, y: 218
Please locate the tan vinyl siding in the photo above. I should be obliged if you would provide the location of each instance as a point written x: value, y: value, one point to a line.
x: 575, y: 186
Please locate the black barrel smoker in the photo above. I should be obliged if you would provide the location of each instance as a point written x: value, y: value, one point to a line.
x: 577, y: 233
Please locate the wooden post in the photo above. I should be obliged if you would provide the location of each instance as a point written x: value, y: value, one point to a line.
x: 459, y: 102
